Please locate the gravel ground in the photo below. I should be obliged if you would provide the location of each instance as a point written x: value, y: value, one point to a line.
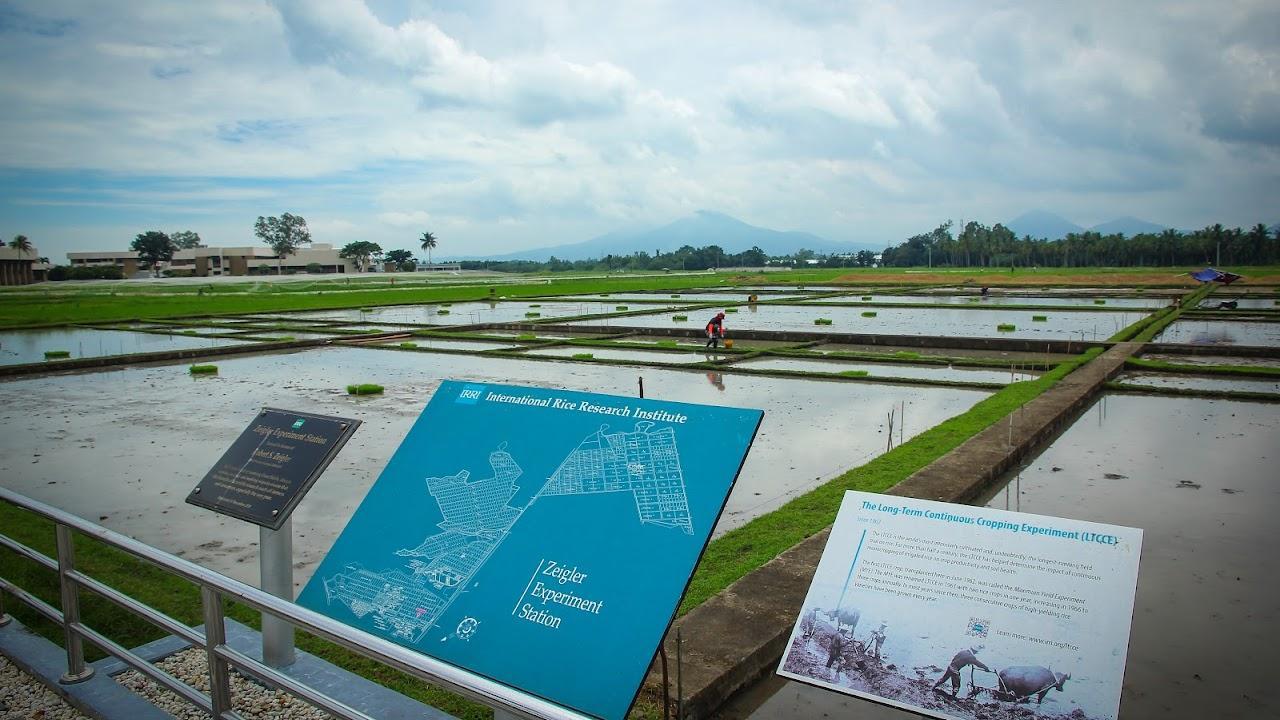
x: 22, y: 696
x: 250, y: 699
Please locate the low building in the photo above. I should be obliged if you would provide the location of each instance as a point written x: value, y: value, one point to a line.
x: 438, y: 267
x: 126, y: 260
x: 213, y: 261
x: 16, y: 268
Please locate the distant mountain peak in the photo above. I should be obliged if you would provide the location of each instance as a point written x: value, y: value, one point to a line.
x: 699, y: 229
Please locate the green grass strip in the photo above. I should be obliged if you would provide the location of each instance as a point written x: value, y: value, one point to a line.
x: 822, y: 321
x: 56, y: 354
x: 744, y: 549
x: 204, y: 369
x: 364, y: 389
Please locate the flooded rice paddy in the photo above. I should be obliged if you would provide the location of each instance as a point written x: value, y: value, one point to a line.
x: 442, y: 344
x: 629, y: 355
x: 127, y: 459
x: 1178, y: 381
x: 29, y: 346
x: 891, y: 370
x: 1200, y: 482
x: 468, y: 313
x: 1213, y: 360
x: 905, y: 321
x: 1221, y: 332
x: 977, y: 300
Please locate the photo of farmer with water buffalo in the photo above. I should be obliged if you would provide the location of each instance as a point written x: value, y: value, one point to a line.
x: 922, y: 616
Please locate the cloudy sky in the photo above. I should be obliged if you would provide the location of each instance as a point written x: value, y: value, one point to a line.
x: 506, y: 125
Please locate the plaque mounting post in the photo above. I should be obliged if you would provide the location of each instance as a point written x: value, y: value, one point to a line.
x: 275, y: 563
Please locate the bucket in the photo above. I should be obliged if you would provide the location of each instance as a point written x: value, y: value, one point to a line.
x: 728, y: 343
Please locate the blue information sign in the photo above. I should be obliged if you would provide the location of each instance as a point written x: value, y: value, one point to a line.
x: 541, y: 538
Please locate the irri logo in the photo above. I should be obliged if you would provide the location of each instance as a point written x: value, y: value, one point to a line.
x: 298, y: 423
x: 470, y: 394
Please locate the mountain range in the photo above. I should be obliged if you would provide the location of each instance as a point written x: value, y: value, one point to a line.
x: 707, y: 227
x: 1042, y: 224
x: 704, y: 227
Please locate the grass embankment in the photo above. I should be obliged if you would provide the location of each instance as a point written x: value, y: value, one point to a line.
x: 740, y: 551
x: 1150, y: 326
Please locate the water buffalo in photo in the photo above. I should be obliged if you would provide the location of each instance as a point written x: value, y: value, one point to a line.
x: 1023, y: 681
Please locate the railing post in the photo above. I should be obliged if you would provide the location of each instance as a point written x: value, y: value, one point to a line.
x: 275, y: 565
x: 77, y: 671
x: 4, y: 616
x: 215, y: 634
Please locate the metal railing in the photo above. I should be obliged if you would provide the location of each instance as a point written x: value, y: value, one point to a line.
x: 214, y: 588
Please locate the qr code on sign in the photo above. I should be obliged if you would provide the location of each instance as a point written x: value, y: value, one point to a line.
x: 978, y: 627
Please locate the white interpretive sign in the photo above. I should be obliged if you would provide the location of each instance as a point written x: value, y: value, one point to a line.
x: 956, y: 611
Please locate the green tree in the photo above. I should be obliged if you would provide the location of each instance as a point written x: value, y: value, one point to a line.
x: 403, y: 260
x: 185, y: 239
x: 360, y: 252
x: 428, y: 244
x: 21, y: 244
x: 153, y: 247
x: 284, y: 234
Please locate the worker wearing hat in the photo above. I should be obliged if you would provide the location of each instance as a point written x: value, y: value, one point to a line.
x: 715, y: 330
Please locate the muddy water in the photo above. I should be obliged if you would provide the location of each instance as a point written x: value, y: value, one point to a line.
x: 438, y: 344
x: 1221, y: 332
x: 463, y: 313
x: 1213, y: 360
x: 906, y: 321
x: 693, y: 297
x: 1200, y: 482
x: 29, y: 346
x: 931, y: 372
x: 1199, y: 382
x: 129, y: 457
x: 673, y: 358
x: 1001, y: 300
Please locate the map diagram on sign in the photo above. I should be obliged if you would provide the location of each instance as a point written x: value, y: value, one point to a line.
x: 406, y: 601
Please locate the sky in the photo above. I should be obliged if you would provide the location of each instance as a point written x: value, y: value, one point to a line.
x: 500, y: 126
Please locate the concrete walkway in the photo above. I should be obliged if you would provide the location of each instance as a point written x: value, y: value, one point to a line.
x: 739, y: 635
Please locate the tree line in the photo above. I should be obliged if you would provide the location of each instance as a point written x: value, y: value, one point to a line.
x: 977, y: 245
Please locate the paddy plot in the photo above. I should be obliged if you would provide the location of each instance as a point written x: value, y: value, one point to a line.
x: 1221, y: 332
x: 908, y: 321
x: 116, y: 462
x: 29, y: 346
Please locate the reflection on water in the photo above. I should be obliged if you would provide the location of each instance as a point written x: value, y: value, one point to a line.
x: 29, y: 346
x: 1221, y: 332
x: 1199, y: 382
x: 1198, y: 477
x: 939, y: 321
x: 131, y: 457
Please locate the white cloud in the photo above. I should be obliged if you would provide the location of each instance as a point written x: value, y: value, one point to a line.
x: 508, y: 124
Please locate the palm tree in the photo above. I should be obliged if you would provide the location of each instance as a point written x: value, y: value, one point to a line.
x: 428, y: 242
x: 21, y: 244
